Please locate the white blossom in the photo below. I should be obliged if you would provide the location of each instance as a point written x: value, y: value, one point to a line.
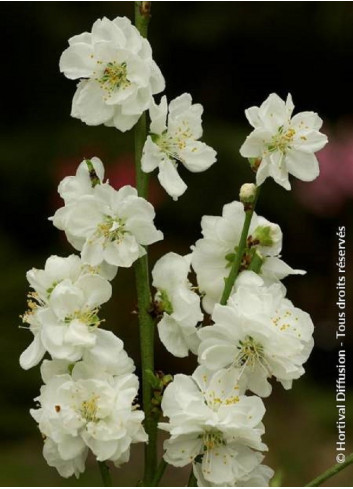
x: 109, y: 226
x: 174, y: 138
x: 116, y: 71
x: 87, y: 407
x: 213, y: 254
x: 178, y: 304
x: 63, y: 310
x: 259, y: 332
x: 283, y: 143
x: 212, y: 423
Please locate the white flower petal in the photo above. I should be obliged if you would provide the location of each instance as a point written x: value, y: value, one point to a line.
x: 33, y: 354
x: 197, y: 156
x: 170, y: 180
x: 158, y: 115
x: 152, y: 156
x: 172, y: 337
x: 77, y: 61
x: 303, y: 165
x: 88, y: 104
x: 255, y: 143
x: 96, y: 290
x: 79, y: 334
x: 123, y: 253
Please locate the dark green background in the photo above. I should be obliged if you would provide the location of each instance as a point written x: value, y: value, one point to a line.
x: 229, y: 56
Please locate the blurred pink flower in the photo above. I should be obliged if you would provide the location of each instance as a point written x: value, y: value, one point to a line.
x: 329, y: 192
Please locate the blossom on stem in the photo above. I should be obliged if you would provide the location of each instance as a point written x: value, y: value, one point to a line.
x: 174, y: 138
x: 213, y: 424
x: 259, y: 332
x: 213, y: 255
x: 281, y: 143
x: 63, y: 310
x: 87, y: 407
x: 177, y: 303
x: 116, y: 71
x: 109, y: 226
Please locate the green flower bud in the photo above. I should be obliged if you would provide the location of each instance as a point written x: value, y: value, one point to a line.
x: 247, y: 193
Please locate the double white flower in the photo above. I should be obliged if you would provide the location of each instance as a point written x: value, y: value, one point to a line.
x: 108, y: 226
x: 212, y: 424
x: 117, y: 72
x: 283, y: 144
x: 63, y: 311
x: 87, y: 407
x: 213, y: 254
x: 174, y: 138
x: 178, y: 304
x: 259, y: 332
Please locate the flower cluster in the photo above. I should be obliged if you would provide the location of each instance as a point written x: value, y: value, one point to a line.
x: 256, y: 334
x: 88, y: 400
x: 213, y: 254
x: 259, y: 332
x: 88, y: 406
x: 63, y: 310
x: 236, y: 318
x: 213, y: 424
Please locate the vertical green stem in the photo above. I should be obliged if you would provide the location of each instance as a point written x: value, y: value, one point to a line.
x: 229, y: 282
x: 147, y: 327
x: 146, y: 323
x: 159, y: 473
x: 142, y: 178
x: 104, y: 471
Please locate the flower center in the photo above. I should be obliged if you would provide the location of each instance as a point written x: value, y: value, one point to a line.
x: 86, y: 316
x: 250, y: 352
x: 171, y: 145
x: 112, y: 229
x: 114, y: 76
x: 215, y: 402
x: 212, y: 439
x: 89, y: 409
x: 282, y: 140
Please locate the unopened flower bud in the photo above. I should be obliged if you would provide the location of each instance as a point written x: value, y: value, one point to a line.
x: 247, y: 193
